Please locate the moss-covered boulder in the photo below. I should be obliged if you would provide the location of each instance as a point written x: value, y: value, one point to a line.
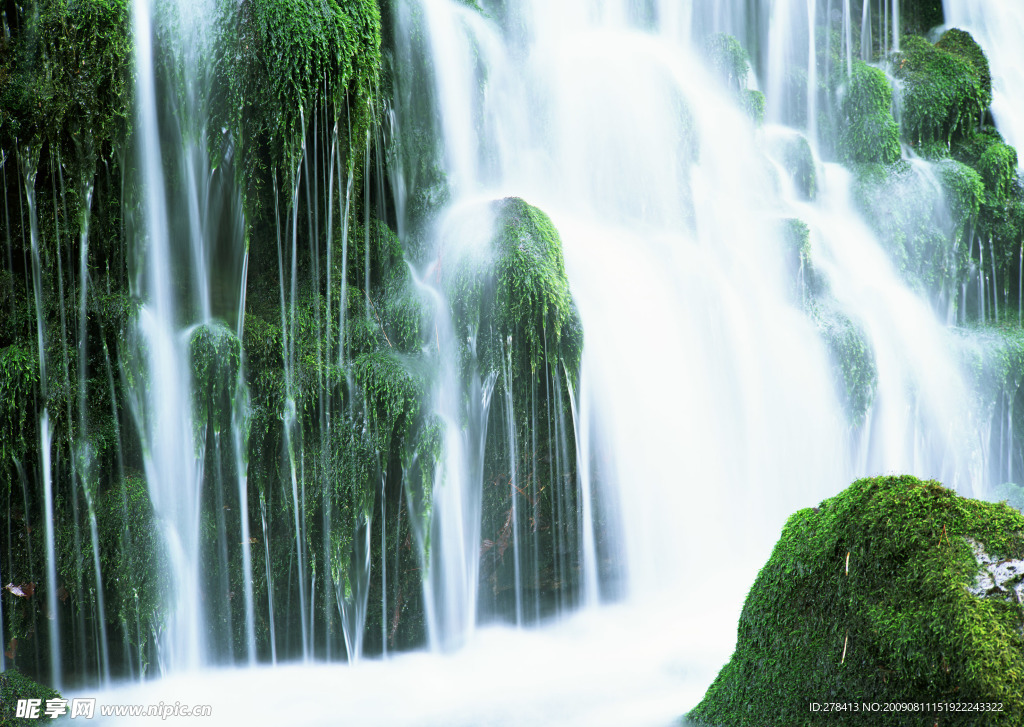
x: 998, y: 167
x: 867, y: 131
x: 853, y: 360
x: 895, y: 590
x: 946, y: 87
x: 518, y: 293
x: 216, y: 357
x: 793, y: 152
x: 14, y: 686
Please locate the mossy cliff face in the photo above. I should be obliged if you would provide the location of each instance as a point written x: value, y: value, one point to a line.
x: 284, y: 77
x: 880, y: 594
x: 512, y: 300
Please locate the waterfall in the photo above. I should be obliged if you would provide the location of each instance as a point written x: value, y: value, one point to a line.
x: 520, y: 347
x: 184, y: 293
x: 997, y: 26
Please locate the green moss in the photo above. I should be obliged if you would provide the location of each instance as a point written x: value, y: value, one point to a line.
x: 216, y: 356
x: 852, y: 357
x: 865, y: 599
x: 964, y: 191
x: 922, y: 218
x: 943, y: 93
x: 728, y: 59
x: 998, y: 167
x: 960, y: 43
x: 793, y: 152
x: 521, y: 294
x: 68, y: 75
x: 867, y: 131
x: 292, y: 58
x: 970, y: 148
x: 133, y: 560
x: 19, y: 374
x: 393, y: 392
x: 14, y: 686
x: 754, y: 105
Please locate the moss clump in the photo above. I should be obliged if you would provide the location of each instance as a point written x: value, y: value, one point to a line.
x: 796, y: 236
x: 867, y: 130
x: 14, y: 686
x: 394, y: 392
x: 754, y: 105
x: 292, y: 59
x: 923, y: 216
x: 728, y: 58
x: 998, y: 167
x: 969, y: 149
x: 66, y: 68
x: 216, y: 355
x: 960, y: 42
x: 133, y: 561
x: 793, y: 152
x: 964, y: 191
x: 19, y: 374
x: 943, y: 94
x: 852, y: 357
x: 866, y: 599
x: 521, y: 294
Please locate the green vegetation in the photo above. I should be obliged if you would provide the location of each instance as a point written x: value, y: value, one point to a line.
x: 867, y: 131
x: 944, y: 88
x: 998, y: 168
x: 518, y: 294
x: 853, y: 358
x: 728, y: 58
x: 14, y: 686
x: 866, y: 598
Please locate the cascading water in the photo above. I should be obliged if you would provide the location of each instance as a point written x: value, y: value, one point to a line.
x: 189, y: 229
x: 750, y: 345
x: 997, y: 26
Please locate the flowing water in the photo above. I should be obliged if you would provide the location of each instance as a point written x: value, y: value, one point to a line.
x: 997, y: 27
x: 709, y: 406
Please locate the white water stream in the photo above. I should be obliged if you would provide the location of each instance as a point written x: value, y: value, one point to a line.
x: 708, y: 403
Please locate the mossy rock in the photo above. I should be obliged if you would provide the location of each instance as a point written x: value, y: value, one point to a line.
x: 793, y: 151
x: 291, y: 58
x: 961, y: 43
x: 867, y: 130
x: 853, y: 359
x: 753, y: 102
x: 728, y: 58
x: 969, y: 150
x: 216, y: 357
x: 964, y: 190
x: 998, y: 167
x: 518, y: 293
x: 14, y: 686
x: 922, y: 224
x: 887, y: 592
x: 944, y: 93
